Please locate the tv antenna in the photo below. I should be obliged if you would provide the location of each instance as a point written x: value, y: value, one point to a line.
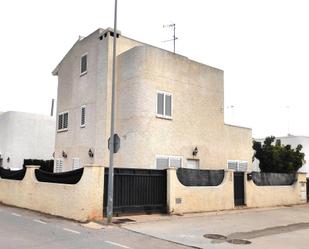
x: 172, y: 26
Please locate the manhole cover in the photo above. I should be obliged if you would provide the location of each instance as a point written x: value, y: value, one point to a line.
x: 238, y: 241
x: 215, y: 236
x: 120, y: 221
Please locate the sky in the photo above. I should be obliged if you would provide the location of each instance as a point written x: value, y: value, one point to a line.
x: 262, y: 46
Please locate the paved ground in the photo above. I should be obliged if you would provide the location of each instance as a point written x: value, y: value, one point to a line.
x: 20, y: 228
x: 284, y: 228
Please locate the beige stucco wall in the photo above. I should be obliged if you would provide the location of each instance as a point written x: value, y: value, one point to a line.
x: 208, y: 198
x: 197, y: 113
x: 199, y: 199
x: 267, y: 196
x: 142, y: 70
x: 82, y: 201
x: 92, y: 90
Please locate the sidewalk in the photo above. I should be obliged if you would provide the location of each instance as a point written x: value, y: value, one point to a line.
x: 281, y: 227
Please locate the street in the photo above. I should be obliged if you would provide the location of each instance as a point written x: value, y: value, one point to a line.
x: 273, y: 228
x: 24, y: 229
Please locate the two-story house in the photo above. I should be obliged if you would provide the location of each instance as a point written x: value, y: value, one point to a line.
x: 169, y: 109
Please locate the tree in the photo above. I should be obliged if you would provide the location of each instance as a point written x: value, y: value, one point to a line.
x: 278, y: 158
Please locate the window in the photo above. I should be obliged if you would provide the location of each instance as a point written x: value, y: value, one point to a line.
x: 242, y: 166
x: 193, y: 164
x: 75, y: 163
x: 58, y: 167
x: 237, y: 165
x: 83, y: 64
x: 63, y: 121
x: 164, y: 105
x: 83, y: 116
x: 164, y: 162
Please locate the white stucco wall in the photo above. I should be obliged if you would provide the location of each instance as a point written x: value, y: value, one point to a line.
x: 198, y: 96
x: 93, y: 90
x: 197, y: 119
x: 293, y: 141
x: 25, y: 136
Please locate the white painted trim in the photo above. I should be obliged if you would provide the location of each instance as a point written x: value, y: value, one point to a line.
x: 80, y: 121
x: 80, y: 64
x: 83, y: 73
x: 164, y: 94
x: 64, y: 129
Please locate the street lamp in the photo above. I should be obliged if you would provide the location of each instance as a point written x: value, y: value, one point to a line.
x: 112, y: 131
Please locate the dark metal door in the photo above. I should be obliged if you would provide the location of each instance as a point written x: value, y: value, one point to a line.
x: 137, y: 190
x: 239, y: 189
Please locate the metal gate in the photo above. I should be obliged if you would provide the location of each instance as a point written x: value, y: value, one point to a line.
x: 239, y: 188
x: 137, y: 190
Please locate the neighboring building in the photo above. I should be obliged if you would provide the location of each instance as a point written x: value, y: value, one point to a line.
x: 25, y: 136
x: 293, y: 141
x: 167, y: 105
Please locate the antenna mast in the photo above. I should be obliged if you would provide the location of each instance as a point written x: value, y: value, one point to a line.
x: 173, y: 26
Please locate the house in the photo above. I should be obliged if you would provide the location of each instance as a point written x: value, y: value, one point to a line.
x: 293, y: 141
x: 25, y: 136
x: 169, y: 109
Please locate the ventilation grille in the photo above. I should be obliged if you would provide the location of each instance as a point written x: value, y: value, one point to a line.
x: 76, y: 163
x: 236, y: 165
x: 58, y: 165
x: 232, y: 165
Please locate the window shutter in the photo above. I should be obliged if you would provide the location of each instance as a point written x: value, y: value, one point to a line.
x: 59, y: 165
x: 242, y: 166
x: 60, y: 122
x: 175, y: 162
x: 162, y: 162
x: 83, y: 116
x: 232, y: 165
x: 168, y: 105
x: 65, y: 120
x: 76, y: 163
x: 237, y: 165
x: 192, y: 164
x: 160, y: 103
x: 83, y: 64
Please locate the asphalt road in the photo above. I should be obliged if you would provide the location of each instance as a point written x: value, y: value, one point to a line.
x: 269, y: 228
x: 24, y: 229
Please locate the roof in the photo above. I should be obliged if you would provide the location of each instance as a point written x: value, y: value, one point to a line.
x: 237, y: 126
x: 101, y: 32
x: 28, y: 114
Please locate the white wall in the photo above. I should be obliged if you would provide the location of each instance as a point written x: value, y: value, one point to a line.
x: 198, y: 118
x: 25, y: 136
x: 93, y: 90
